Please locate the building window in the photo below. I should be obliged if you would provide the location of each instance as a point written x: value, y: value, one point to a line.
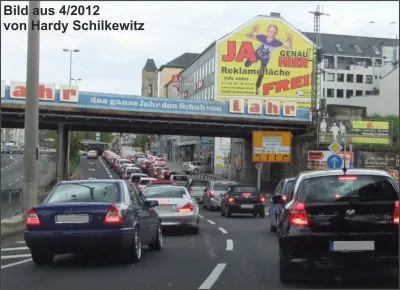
x: 378, y: 62
x: 349, y: 94
x: 368, y: 93
x: 350, y: 78
x: 368, y: 79
x: 340, y: 78
x: 330, y: 93
x: 212, y: 92
x: 359, y: 79
x: 339, y: 93
x: 376, y: 50
x: 330, y: 77
x: 323, y: 93
x: 339, y: 48
x: 358, y: 93
x: 212, y: 64
x: 357, y: 48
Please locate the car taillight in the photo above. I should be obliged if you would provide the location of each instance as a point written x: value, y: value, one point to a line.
x: 32, y: 218
x: 298, y: 214
x: 113, y: 216
x: 211, y: 193
x: 396, y: 212
x: 262, y: 199
x: 186, y: 208
x: 231, y: 199
x: 284, y: 197
x: 140, y: 186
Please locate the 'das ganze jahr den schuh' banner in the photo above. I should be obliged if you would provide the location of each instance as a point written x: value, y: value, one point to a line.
x: 267, y: 59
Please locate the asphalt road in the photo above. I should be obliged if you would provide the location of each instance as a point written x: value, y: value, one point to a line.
x: 12, y: 171
x: 229, y: 253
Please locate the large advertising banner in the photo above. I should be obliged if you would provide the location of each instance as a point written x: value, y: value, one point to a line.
x: 267, y: 58
x: 354, y: 131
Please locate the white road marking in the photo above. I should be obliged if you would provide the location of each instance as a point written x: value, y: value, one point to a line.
x: 15, y: 264
x: 17, y: 179
x: 14, y: 249
x: 2, y: 169
x: 201, y: 216
x: 10, y: 184
x: 213, y: 277
x: 229, y: 245
x: 211, y: 222
x: 223, y: 231
x: 91, y: 178
x: 15, y: 256
x: 20, y: 242
x: 110, y: 176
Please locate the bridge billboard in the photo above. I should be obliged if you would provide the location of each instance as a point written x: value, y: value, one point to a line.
x: 66, y: 98
x: 265, y: 58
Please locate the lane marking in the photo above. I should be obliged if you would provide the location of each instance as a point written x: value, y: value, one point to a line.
x: 17, y: 179
x: 10, y: 184
x: 15, y: 256
x: 229, y: 245
x: 223, y: 231
x: 213, y: 277
x: 20, y: 242
x: 15, y: 264
x: 14, y: 249
x: 201, y: 216
x: 2, y: 169
x: 211, y: 222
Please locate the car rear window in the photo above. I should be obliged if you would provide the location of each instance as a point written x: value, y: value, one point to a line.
x: 136, y: 178
x: 164, y: 191
x: 180, y: 178
x: 133, y: 170
x: 144, y: 181
x: 200, y: 183
x: 347, y: 188
x: 85, y: 192
x: 288, y: 186
x: 241, y: 189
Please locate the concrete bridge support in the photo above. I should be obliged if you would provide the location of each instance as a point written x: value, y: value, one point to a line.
x: 62, y: 152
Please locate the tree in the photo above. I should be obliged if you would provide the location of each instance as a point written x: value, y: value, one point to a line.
x: 140, y: 141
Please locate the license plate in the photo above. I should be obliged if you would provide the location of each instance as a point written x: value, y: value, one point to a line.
x: 351, y: 246
x: 247, y: 206
x: 72, y: 219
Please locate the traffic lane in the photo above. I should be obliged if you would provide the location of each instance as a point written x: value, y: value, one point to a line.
x: 255, y: 260
x: 94, y: 168
x: 7, y: 159
x: 12, y: 174
x: 185, y: 261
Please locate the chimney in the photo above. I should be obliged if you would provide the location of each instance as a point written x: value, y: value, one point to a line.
x: 275, y: 14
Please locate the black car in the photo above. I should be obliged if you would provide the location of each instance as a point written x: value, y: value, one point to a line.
x: 339, y: 219
x: 84, y: 216
x: 241, y: 198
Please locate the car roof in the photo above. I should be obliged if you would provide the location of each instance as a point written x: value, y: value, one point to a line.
x: 165, y: 185
x: 336, y: 172
x: 139, y: 174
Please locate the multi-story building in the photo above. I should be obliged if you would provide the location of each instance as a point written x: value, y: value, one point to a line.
x: 10, y: 135
x: 353, y: 66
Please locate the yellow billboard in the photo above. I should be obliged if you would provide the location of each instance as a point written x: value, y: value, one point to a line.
x: 266, y: 58
x: 272, y: 146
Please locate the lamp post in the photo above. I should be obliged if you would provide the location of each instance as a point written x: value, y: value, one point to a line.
x: 70, y: 61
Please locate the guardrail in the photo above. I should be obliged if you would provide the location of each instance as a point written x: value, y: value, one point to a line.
x: 207, y: 176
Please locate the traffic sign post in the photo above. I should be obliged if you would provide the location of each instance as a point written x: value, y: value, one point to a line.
x: 259, y: 166
x: 334, y: 161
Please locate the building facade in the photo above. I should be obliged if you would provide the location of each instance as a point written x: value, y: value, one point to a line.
x: 150, y: 79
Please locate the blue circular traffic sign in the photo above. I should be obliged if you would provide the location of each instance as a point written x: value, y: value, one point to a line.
x: 334, y: 161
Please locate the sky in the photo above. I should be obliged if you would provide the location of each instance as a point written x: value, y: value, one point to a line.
x: 112, y: 61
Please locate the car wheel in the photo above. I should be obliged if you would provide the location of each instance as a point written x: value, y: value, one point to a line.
x: 204, y: 205
x: 254, y: 214
x: 42, y: 257
x: 286, y: 271
x: 134, y: 252
x: 158, y: 243
x: 209, y: 207
x: 227, y: 212
x: 222, y: 212
x: 262, y: 214
x: 272, y: 229
x: 196, y: 230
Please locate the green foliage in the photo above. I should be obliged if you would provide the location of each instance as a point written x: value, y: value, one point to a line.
x: 140, y: 141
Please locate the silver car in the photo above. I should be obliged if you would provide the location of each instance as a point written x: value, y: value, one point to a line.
x: 275, y: 208
x: 176, y: 207
x: 197, y: 187
x: 213, y: 195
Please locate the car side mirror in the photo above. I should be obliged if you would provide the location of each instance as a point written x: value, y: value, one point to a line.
x: 278, y: 199
x: 151, y: 203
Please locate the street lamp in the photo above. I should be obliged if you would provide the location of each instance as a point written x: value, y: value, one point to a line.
x: 70, y: 61
x: 76, y: 80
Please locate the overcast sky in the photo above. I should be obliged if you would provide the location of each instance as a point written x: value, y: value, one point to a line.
x: 113, y: 61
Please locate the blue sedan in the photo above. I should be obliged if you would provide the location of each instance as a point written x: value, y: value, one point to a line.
x: 83, y: 216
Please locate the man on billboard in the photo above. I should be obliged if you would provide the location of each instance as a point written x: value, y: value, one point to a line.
x: 268, y: 42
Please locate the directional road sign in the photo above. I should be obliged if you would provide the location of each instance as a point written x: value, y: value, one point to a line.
x: 334, y: 161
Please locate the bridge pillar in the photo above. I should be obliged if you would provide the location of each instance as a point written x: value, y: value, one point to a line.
x: 62, y: 152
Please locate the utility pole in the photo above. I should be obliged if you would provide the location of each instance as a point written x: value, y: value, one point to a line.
x: 316, y: 72
x: 31, y: 150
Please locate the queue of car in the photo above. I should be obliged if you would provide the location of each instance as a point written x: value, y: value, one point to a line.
x: 325, y: 218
